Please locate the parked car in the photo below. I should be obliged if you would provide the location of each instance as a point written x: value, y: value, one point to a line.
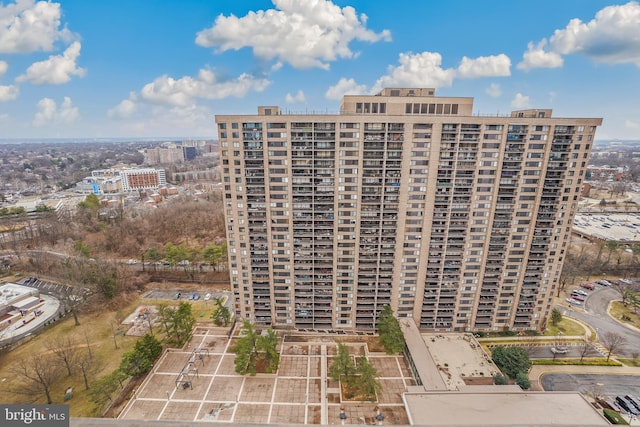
x: 589, y: 286
x: 604, y: 283
x: 626, y: 405
x: 177, y: 295
x: 207, y: 297
x: 626, y: 281
x: 573, y: 301
x: 132, y: 262
x: 634, y: 401
x: 577, y: 297
x: 580, y: 292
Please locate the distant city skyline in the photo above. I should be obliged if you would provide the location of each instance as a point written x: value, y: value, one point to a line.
x: 118, y: 69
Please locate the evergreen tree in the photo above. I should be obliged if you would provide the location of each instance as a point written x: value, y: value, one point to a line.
x: 511, y: 360
x: 221, y: 314
x: 391, y: 336
x: 342, y: 366
x: 140, y: 360
x: 367, y: 380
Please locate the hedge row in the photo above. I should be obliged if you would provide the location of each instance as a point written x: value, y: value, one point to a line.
x: 614, y: 417
x: 586, y: 362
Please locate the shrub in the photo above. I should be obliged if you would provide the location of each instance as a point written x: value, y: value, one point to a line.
x: 614, y: 417
x: 593, y: 362
x: 500, y: 379
x: 523, y: 381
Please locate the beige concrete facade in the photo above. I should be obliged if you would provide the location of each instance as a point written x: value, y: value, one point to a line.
x: 457, y: 221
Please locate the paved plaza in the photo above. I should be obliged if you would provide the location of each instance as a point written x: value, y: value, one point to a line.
x: 199, y: 383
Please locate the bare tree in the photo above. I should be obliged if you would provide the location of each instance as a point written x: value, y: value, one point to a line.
x: 65, y: 350
x: 612, y: 342
x: 72, y: 302
x: 584, y: 348
x: 35, y: 376
x: 576, y: 265
x: 530, y: 344
x: 87, y: 365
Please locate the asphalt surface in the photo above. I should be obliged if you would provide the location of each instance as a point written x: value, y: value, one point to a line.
x: 595, y: 314
x: 609, y: 385
x: 574, y: 350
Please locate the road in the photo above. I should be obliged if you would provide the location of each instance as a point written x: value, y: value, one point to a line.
x: 609, y: 385
x: 596, y: 315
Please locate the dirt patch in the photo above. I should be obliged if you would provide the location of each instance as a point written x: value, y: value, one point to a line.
x: 120, y: 400
x: 478, y: 380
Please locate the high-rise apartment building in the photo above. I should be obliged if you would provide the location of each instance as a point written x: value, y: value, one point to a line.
x: 460, y: 222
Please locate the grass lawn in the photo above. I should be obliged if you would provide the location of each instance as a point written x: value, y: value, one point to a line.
x: 566, y: 326
x: 630, y: 362
x: 618, y: 311
x: 98, y: 328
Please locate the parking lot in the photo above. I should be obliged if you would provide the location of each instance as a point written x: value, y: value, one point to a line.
x: 188, y: 295
x: 618, y: 227
x: 607, y: 385
x: 55, y: 289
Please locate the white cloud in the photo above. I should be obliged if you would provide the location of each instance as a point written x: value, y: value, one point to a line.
x: 629, y: 124
x: 8, y: 93
x: 537, y: 57
x: 484, y: 66
x: 520, y: 101
x: 182, y: 121
x: 417, y: 70
x: 49, y: 113
x: 3, y: 67
x: 345, y: 87
x: 611, y: 37
x: 298, y: 97
x: 124, y: 109
x: 167, y: 90
x: 27, y: 26
x: 305, y: 34
x: 494, y: 90
x: 56, y: 70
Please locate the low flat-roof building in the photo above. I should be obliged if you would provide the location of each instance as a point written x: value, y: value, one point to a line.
x: 13, y: 295
x: 501, y: 409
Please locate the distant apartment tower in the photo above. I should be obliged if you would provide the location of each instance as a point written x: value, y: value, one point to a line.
x: 127, y: 179
x: 460, y: 222
x: 142, y: 179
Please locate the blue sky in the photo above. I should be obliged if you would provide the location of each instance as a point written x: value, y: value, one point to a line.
x: 145, y: 68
